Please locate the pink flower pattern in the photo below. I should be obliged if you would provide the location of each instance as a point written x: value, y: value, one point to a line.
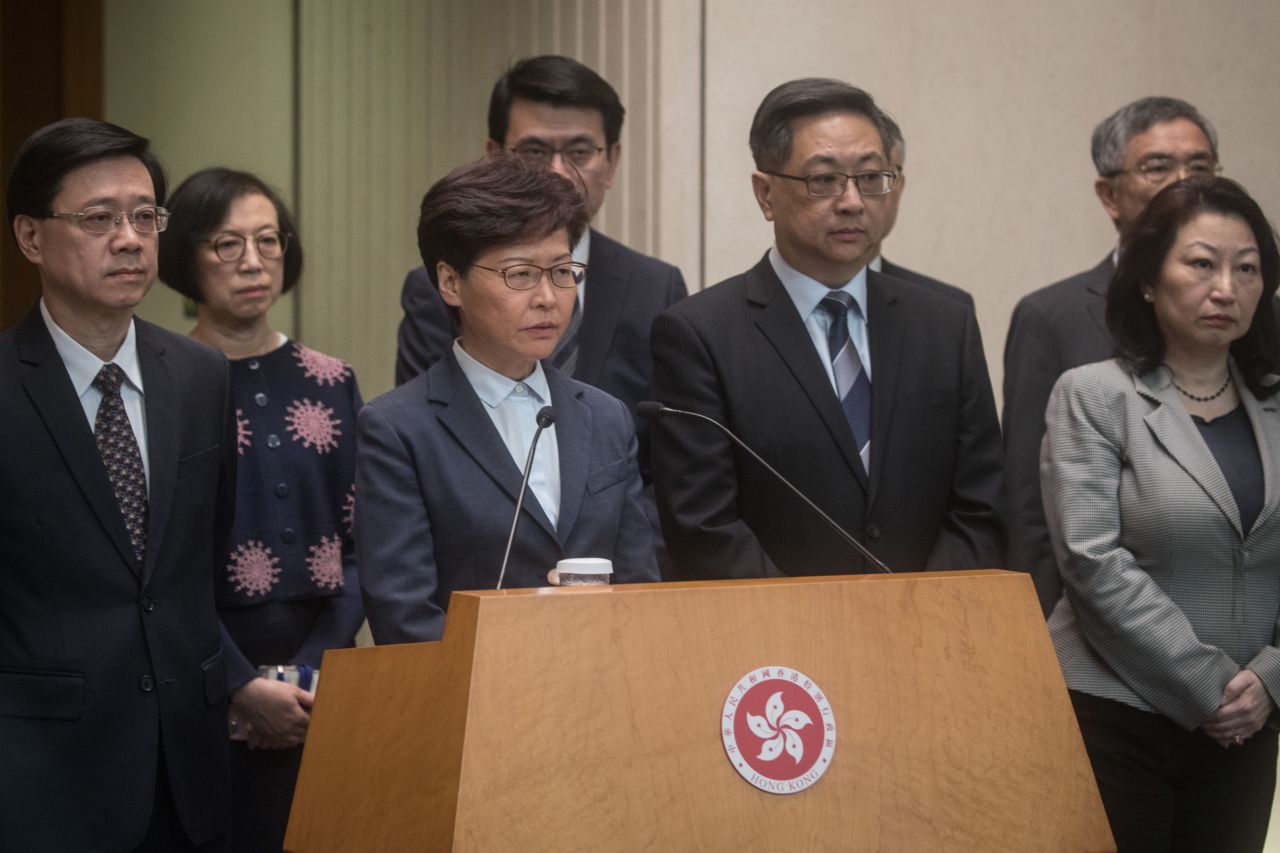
x: 324, y: 561
x: 349, y: 511
x: 313, y: 424
x: 324, y: 369
x: 254, y: 569
x: 243, y: 432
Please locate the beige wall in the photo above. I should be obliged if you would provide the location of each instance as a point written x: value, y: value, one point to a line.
x: 210, y: 85
x: 997, y: 100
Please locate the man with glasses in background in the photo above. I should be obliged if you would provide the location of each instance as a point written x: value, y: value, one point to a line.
x: 560, y: 112
x: 1137, y: 151
x: 869, y: 393
x: 117, y: 467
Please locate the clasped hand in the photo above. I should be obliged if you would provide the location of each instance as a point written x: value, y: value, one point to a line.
x: 1243, y: 711
x: 275, y: 714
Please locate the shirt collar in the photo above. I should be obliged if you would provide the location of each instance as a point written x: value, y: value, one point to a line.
x: 876, y: 265
x: 492, y: 387
x: 582, y: 250
x: 83, y: 366
x: 806, y: 292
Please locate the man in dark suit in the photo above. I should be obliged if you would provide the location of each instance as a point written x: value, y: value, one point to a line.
x: 560, y: 112
x: 1137, y: 151
x: 117, y: 455
x: 871, y: 394
x: 896, y: 146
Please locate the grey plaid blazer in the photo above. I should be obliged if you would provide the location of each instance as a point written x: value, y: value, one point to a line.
x: 1165, y: 598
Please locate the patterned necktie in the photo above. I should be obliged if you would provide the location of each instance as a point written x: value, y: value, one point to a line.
x: 564, y: 357
x: 119, y: 450
x: 852, y: 385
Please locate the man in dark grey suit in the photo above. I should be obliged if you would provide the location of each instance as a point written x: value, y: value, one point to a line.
x: 897, y: 154
x: 1137, y: 150
x: 117, y: 462
x: 870, y: 393
x: 559, y: 111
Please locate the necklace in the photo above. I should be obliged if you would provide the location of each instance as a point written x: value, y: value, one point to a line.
x: 1215, y: 395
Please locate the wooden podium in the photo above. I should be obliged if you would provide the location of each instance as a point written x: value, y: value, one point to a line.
x: 590, y: 719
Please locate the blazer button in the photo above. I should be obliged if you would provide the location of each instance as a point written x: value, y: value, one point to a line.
x: 273, y: 441
x: 260, y: 398
x: 282, y: 490
x: 287, y: 535
x: 873, y: 531
x: 146, y: 684
x: 148, y: 604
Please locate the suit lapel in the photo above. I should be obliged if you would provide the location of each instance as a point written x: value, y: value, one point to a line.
x: 573, y: 440
x: 1264, y: 415
x: 601, y: 307
x: 780, y: 322
x: 886, y: 336
x: 160, y: 397
x: 463, y: 415
x: 47, y: 383
x: 1177, y: 433
x: 1097, y: 283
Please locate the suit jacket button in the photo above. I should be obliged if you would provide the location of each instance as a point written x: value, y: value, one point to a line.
x: 146, y: 684
x: 873, y: 531
x: 148, y: 604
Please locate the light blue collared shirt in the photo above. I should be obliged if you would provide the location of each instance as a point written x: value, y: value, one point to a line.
x: 581, y: 253
x: 513, y: 407
x: 83, y: 367
x: 806, y: 294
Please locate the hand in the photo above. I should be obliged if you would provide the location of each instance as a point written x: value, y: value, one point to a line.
x: 275, y: 713
x: 1242, y: 712
x: 553, y: 578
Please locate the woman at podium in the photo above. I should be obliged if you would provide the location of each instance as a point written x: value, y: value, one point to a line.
x: 1161, y: 474
x: 440, y: 459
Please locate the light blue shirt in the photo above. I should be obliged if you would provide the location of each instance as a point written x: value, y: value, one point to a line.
x: 806, y: 294
x: 83, y: 367
x: 513, y: 407
x: 581, y: 253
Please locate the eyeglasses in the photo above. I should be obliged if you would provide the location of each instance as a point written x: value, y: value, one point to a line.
x: 580, y: 154
x: 1161, y: 170
x: 527, y: 276
x: 148, y: 219
x: 229, y: 248
x: 828, y: 184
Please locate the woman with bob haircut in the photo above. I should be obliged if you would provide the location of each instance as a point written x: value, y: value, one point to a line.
x: 286, y: 587
x: 1161, y: 475
x: 440, y: 459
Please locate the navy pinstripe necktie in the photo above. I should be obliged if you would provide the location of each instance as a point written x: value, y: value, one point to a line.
x: 852, y: 385
x: 120, y: 455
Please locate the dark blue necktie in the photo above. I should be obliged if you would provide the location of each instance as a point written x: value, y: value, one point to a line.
x: 852, y: 385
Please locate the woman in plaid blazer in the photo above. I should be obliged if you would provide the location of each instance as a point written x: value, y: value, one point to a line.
x: 1161, y: 478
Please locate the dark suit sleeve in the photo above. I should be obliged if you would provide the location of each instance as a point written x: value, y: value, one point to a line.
x: 239, y: 670
x: 395, y: 547
x: 338, y: 622
x: 1031, y: 367
x: 695, y: 473
x: 972, y: 533
x: 426, y: 330
x: 633, y: 554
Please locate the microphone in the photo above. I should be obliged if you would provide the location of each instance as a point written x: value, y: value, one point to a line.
x: 654, y: 410
x: 546, y: 417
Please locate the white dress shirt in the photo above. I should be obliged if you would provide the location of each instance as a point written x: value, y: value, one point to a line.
x: 513, y: 407
x: 83, y: 367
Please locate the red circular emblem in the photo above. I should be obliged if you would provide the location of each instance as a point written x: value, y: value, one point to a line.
x: 778, y: 729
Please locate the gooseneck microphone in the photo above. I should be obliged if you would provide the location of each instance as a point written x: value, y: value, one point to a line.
x: 546, y: 417
x: 651, y: 409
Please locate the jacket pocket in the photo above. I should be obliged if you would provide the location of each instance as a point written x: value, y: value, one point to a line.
x: 607, y: 475
x: 215, y: 679
x: 198, y: 463
x: 45, y: 694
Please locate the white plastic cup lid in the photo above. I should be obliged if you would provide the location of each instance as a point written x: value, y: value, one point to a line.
x: 585, y: 566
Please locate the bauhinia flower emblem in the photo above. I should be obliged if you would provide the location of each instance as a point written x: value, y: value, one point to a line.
x: 779, y: 729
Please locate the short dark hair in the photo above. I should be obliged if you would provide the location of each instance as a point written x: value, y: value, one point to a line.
x: 810, y: 96
x: 1131, y: 319
x: 1113, y: 134
x: 55, y: 150
x: 199, y: 205
x: 559, y: 81
x: 496, y: 201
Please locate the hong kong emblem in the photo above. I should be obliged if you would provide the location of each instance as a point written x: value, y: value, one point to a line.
x: 778, y: 728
